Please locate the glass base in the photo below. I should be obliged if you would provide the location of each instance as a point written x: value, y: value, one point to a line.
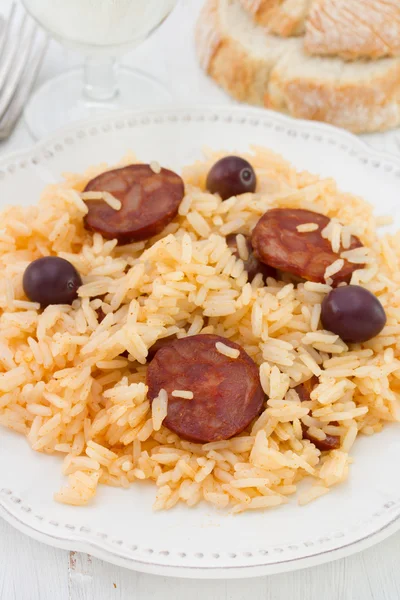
x: 62, y: 100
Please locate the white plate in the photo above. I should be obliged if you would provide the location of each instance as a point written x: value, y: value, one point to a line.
x: 201, y: 542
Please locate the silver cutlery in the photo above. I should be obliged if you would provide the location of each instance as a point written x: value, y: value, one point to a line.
x: 22, y: 49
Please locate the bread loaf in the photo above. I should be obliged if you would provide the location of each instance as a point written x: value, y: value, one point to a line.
x: 353, y: 28
x: 282, y: 17
x: 237, y: 54
x: 257, y: 67
x: 359, y: 96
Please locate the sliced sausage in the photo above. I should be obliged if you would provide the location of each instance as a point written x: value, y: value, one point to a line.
x: 252, y: 265
x: 304, y: 389
x: 158, y: 344
x: 155, y: 347
x: 149, y: 202
x: 277, y: 242
x: 100, y: 315
x: 227, y: 394
x: 331, y: 442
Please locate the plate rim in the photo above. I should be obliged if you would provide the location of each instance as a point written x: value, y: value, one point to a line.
x: 44, y: 150
x: 192, y: 572
x: 247, y: 112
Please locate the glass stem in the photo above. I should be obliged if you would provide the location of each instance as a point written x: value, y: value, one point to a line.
x: 100, y: 80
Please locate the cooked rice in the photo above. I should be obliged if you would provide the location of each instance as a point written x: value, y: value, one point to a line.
x: 334, y: 268
x: 155, y: 167
x: 242, y: 247
x: 66, y: 387
x: 227, y: 350
x: 159, y: 409
x: 307, y: 227
x: 108, y: 198
x: 357, y: 255
x: 185, y: 394
x: 333, y: 233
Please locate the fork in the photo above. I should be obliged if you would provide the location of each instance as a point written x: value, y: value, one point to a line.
x: 22, y: 49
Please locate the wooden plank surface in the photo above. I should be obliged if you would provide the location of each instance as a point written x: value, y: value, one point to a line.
x: 32, y: 571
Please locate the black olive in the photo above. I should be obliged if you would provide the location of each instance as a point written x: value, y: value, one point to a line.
x: 353, y: 313
x: 51, y: 280
x: 231, y: 176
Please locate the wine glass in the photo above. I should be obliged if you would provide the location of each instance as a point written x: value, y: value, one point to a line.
x: 102, y: 30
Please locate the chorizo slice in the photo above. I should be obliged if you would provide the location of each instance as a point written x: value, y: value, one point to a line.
x: 252, y: 265
x: 100, y: 315
x: 158, y: 344
x: 331, y: 442
x: 149, y: 201
x: 227, y: 394
x: 277, y: 242
x: 304, y: 389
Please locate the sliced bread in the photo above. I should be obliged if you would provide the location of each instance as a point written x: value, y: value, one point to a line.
x: 237, y: 54
x: 282, y: 17
x: 262, y: 69
x: 354, y: 29
x: 362, y: 96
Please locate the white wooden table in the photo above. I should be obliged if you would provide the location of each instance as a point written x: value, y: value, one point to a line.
x: 32, y: 571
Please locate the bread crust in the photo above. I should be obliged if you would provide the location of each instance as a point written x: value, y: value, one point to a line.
x: 355, y: 29
x: 243, y: 76
x: 364, y: 106
x: 362, y: 103
x: 281, y: 17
